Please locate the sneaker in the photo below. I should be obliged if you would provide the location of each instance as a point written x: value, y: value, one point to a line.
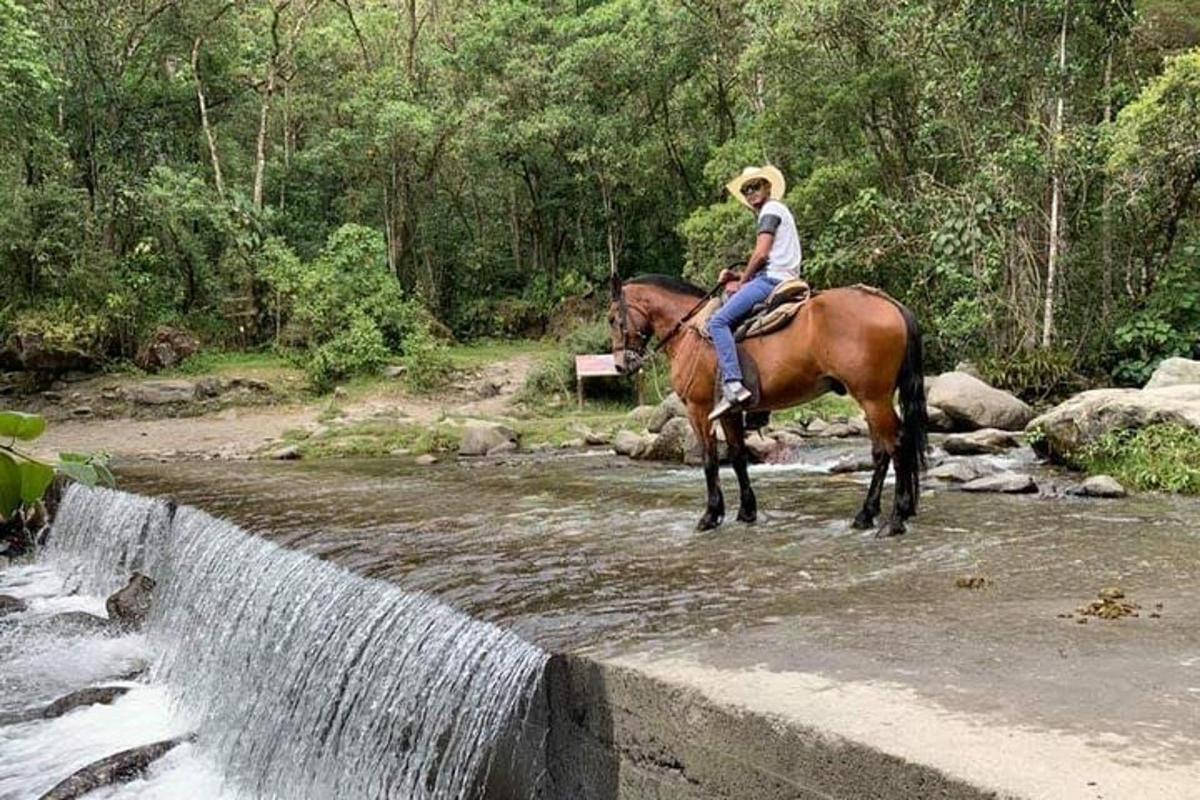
x: 734, y: 395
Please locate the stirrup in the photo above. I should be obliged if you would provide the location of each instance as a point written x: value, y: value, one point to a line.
x: 726, y: 405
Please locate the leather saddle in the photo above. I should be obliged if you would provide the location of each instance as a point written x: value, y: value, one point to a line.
x: 771, y: 315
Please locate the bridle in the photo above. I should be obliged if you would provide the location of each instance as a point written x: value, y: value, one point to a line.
x: 639, y: 350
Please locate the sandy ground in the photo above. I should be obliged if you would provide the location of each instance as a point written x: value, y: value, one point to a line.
x: 239, y: 432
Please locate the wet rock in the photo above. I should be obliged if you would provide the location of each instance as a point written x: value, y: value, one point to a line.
x: 289, y: 453
x: 480, y: 437
x: 81, y: 411
x: 1004, y: 483
x: 788, y: 439
x: 129, y: 606
x: 166, y: 348
x: 92, y: 696
x: 671, y: 442
x: 816, y: 427
x: 853, y: 462
x: 670, y: 408
x: 502, y: 448
x: 1174, y: 372
x: 78, y: 622
x: 11, y: 605
x: 1100, y: 486
x: 117, y: 768
x: 208, y: 388
x: 626, y: 443
x: 985, y: 441
x: 1087, y: 416
x: 858, y: 426
x: 52, y: 397
x: 761, y: 448
x: 426, y: 460
x: 158, y: 393
x: 972, y: 404
x: 596, y: 438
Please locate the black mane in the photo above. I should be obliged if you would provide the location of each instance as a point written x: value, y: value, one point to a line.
x: 671, y: 284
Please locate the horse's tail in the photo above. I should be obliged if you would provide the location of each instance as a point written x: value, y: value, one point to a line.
x: 914, y: 430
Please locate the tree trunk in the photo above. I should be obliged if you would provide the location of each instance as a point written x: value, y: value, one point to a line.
x: 204, y: 123
x: 1106, y: 255
x: 260, y: 152
x: 1056, y: 189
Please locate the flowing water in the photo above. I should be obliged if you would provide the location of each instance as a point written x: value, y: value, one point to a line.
x: 348, y: 649
x: 301, y: 680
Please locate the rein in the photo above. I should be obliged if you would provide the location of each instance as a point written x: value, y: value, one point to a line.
x: 683, y: 320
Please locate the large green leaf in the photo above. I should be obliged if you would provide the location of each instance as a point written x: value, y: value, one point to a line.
x: 84, y: 473
x: 19, y: 425
x: 35, y: 477
x: 10, y: 485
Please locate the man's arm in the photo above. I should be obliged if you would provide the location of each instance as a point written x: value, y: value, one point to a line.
x: 762, y: 250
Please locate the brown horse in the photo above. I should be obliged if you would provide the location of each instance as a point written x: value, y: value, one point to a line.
x: 854, y: 340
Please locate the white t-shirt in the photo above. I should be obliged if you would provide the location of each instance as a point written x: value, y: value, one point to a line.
x: 783, y: 262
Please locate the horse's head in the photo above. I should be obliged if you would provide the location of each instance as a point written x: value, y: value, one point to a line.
x: 630, y: 330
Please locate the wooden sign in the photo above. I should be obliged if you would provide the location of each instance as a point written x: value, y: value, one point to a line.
x: 597, y: 366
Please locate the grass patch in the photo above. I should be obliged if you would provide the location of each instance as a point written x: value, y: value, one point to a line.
x: 486, y: 351
x: 1155, y: 458
x: 376, y: 438
x: 826, y: 407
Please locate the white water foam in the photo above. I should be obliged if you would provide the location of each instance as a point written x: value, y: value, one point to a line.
x: 301, y: 679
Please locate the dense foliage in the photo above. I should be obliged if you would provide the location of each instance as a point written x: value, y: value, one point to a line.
x: 1157, y: 457
x: 321, y: 174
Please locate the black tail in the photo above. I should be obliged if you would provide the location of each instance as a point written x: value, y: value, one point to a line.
x: 914, y: 430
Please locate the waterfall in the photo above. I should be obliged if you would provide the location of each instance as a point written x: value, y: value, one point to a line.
x: 305, y: 680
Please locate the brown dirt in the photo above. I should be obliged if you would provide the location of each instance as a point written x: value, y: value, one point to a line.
x: 240, y: 432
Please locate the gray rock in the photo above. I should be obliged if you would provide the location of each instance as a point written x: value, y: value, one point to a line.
x: 853, y: 462
x: 626, y: 443
x: 11, y: 605
x: 1004, y: 483
x: 972, y: 404
x: 502, y: 448
x: 595, y: 438
x: 128, y: 606
x: 166, y: 348
x: 79, y: 622
x: 938, y: 420
x: 92, y: 696
x: 480, y: 437
x: 788, y: 439
x: 642, y: 415
x: 960, y: 471
x: 858, y: 426
x: 117, y: 768
x: 1087, y: 416
x: 762, y: 448
x: 670, y: 408
x: 984, y: 441
x: 1174, y: 372
x: 1101, y: 486
x: 289, y: 453
x: 671, y: 442
x: 394, y: 371
x: 968, y: 368
x: 426, y: 460
x: 81, y: 411
x: 157, y: 393
x: 816, y: 427
x: 572, y: 444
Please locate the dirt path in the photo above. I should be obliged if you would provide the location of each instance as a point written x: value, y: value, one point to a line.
x: 237, y: 433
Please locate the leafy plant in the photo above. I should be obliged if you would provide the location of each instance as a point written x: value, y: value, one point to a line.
x: 1163, y: 457
x: 24, y: 478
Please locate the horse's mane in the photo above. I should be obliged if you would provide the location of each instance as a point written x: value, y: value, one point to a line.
x: 671, y: 284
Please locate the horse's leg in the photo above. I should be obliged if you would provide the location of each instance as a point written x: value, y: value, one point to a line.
x: 714, y: 512
x: 735, y: 436
x: 885, y: 429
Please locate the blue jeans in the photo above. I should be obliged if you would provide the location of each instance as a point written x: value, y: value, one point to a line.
x: 722, y: 323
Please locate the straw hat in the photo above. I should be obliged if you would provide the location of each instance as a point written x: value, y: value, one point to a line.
x: 766, y: 173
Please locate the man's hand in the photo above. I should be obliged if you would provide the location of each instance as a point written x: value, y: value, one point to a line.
x: 728, y: 275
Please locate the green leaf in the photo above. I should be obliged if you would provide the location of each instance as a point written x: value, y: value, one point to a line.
x: 84, y: 473
x: 19, y: 425
x: 10, y: 486
x: 35, y: 477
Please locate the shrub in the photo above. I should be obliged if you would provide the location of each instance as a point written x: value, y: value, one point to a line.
x: 427, y: 362
x: 1157, y: 457
x: 556, y: 375
x: 1033, y: 375
x: 359, y: 349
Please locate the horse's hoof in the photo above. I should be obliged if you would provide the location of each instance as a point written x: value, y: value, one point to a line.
x: 890, y: 529
x: 747, y: 516
x: 707, y: 522
x: 862, y: 522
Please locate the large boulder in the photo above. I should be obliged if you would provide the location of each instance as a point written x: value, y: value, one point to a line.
x: 129, y: 606
x: 1174, y: 372
x: 479, y: 438
x: 984, y: 441
x: 669, y: 409
x: 166, y: 348
x: 972, y: 404
x: 1063, y: 430
x: 626, y: 443
x: 31, y: 351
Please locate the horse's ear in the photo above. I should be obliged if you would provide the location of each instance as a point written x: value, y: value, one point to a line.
x: 616, y: 286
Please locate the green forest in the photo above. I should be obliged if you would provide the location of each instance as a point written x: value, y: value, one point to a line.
x: 344, y: 177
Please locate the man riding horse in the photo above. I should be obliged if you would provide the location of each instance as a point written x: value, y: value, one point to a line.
x: 776, y: 258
